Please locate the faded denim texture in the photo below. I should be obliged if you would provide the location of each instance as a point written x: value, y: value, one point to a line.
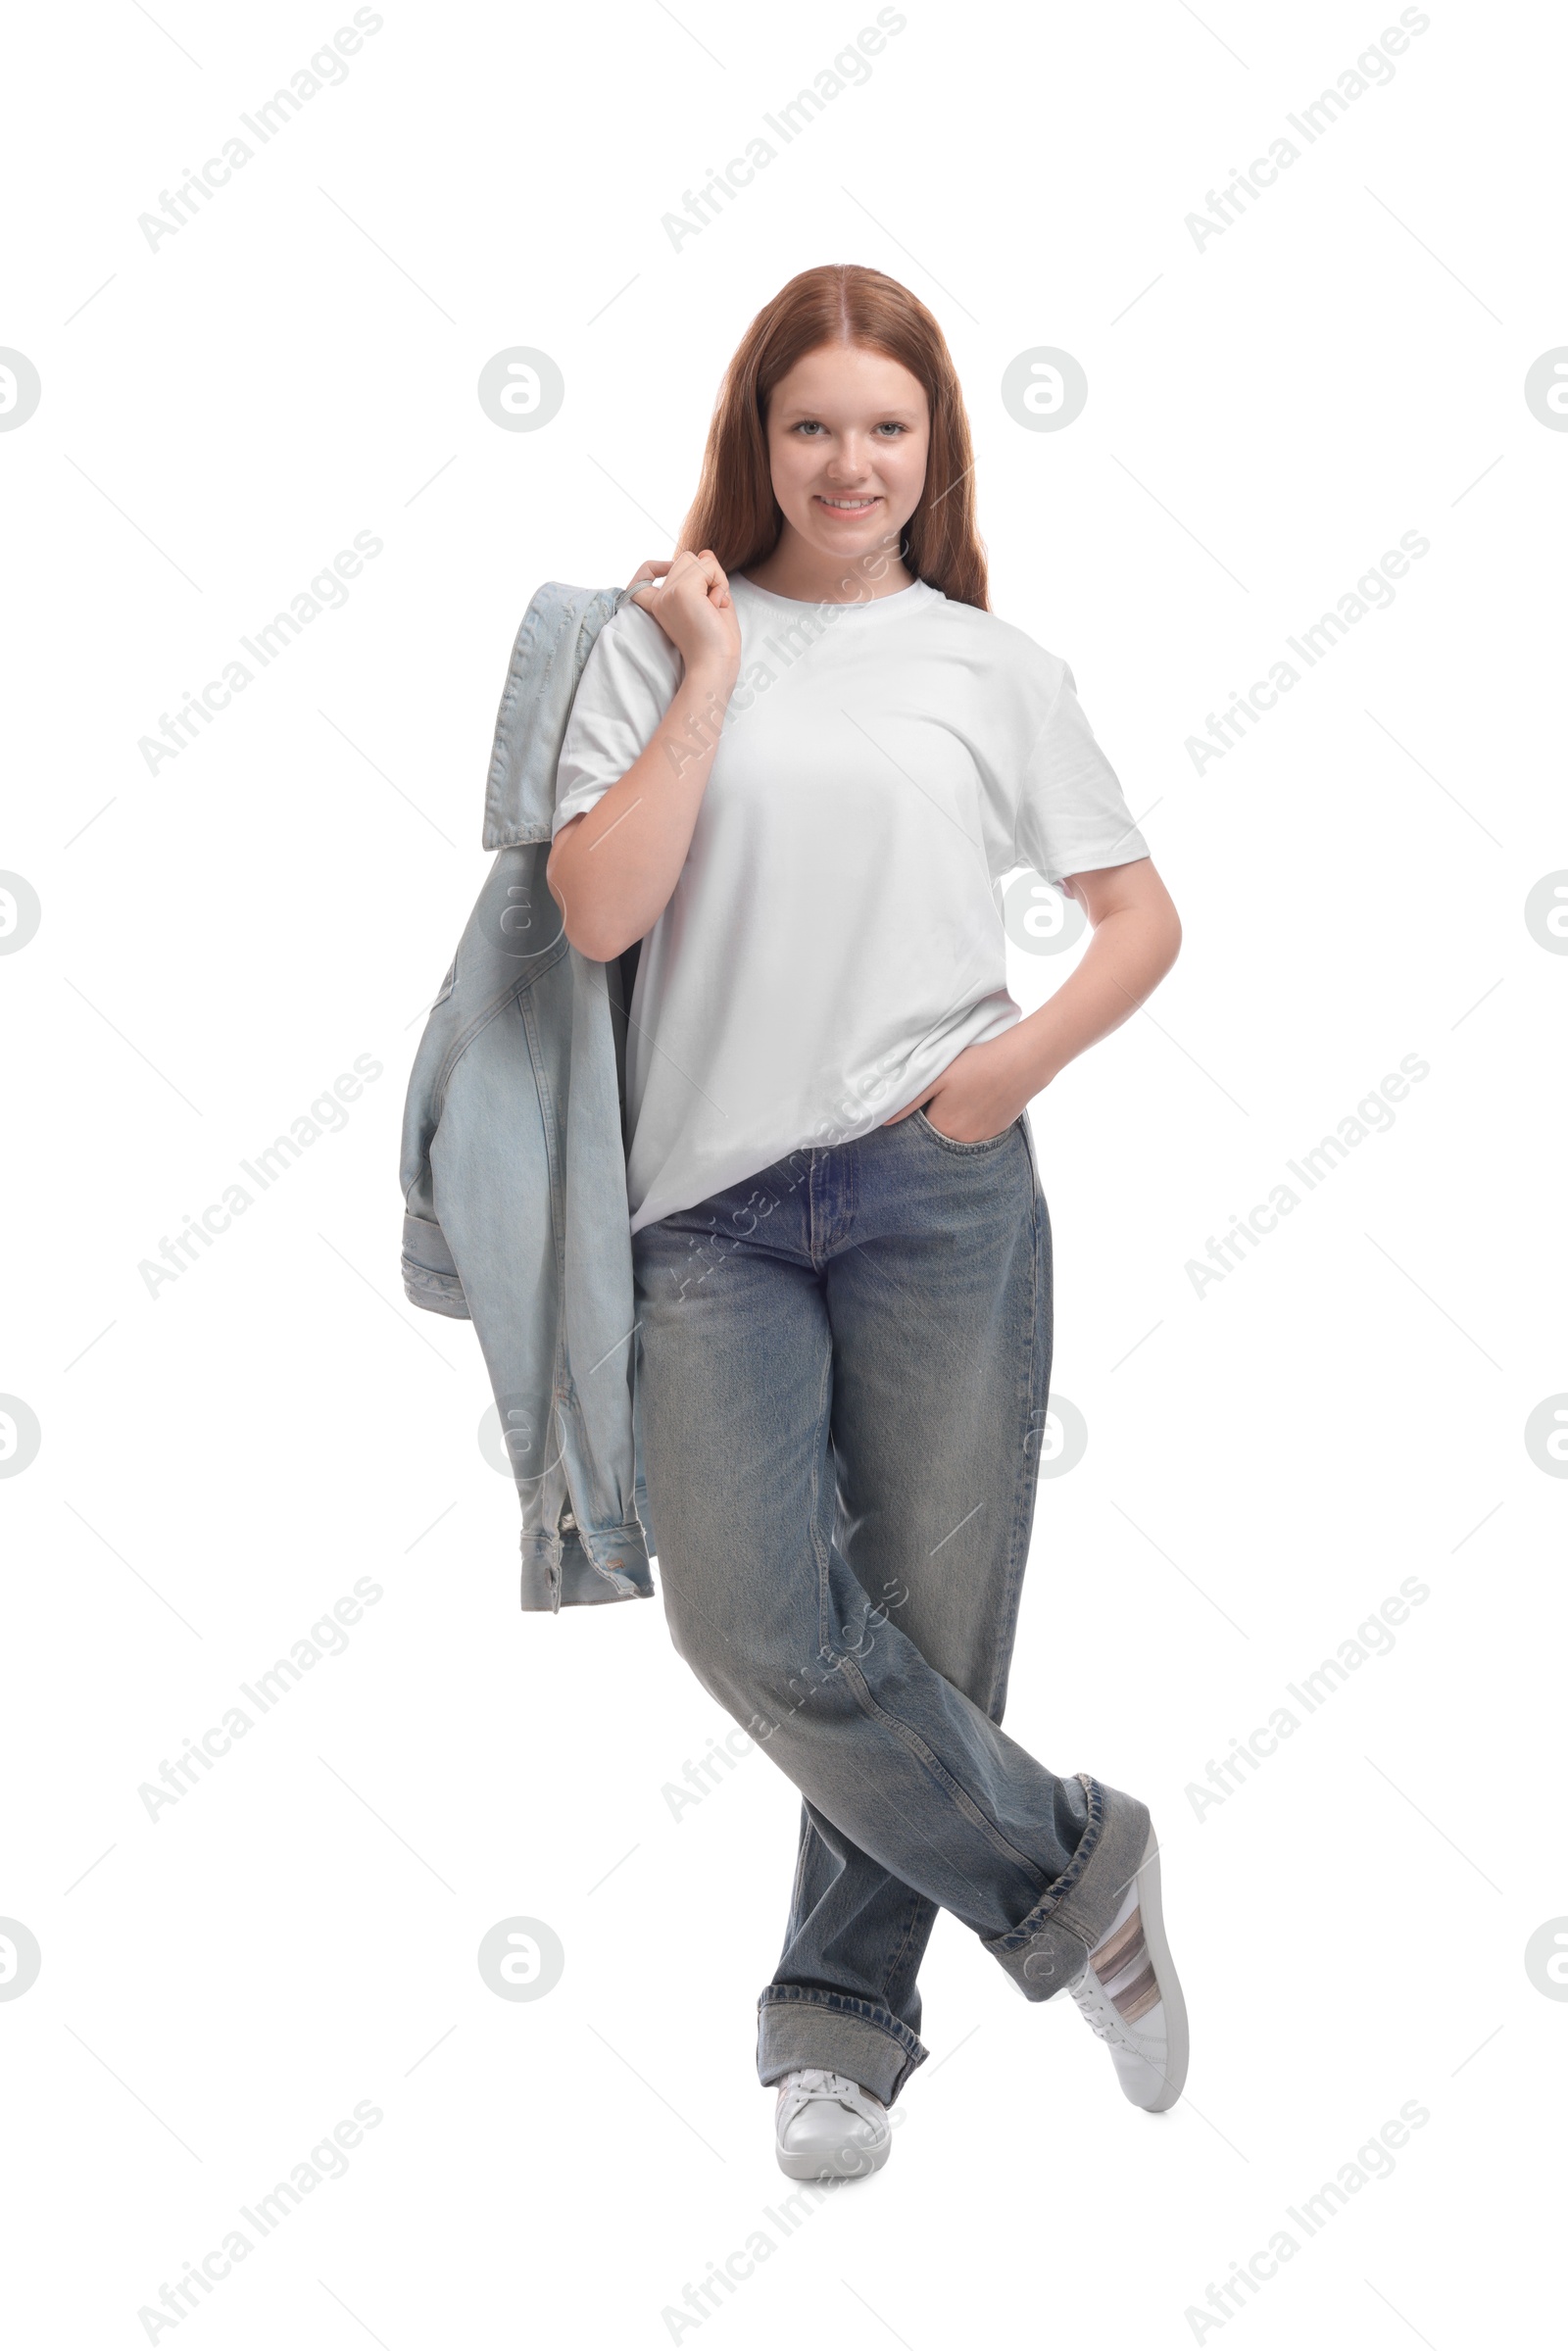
x: 514, y: 1167
x: 843, y: 1374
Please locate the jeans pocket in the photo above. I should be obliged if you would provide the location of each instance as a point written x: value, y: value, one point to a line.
x: 951, y: 1142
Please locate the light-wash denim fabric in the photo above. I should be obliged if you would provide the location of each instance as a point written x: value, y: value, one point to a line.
x: 843, y: 1374
x: 514, y: 1166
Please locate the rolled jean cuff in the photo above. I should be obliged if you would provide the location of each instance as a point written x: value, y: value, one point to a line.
x: 1050, y: 1948
x: 797, y: 2025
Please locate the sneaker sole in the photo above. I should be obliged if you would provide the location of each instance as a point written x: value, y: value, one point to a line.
x: 1165, y: 1976
x: 855, y: 2163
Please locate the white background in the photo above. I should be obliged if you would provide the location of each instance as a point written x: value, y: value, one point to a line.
x: 1266, y: 1463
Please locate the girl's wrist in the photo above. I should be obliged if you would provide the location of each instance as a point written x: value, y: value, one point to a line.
x: 1036, y: 1057
x: 712, y: 674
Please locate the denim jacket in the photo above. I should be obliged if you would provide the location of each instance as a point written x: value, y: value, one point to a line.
x: 514, y: 1166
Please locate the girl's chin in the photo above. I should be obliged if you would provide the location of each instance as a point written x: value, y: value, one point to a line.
x: 858, y: 534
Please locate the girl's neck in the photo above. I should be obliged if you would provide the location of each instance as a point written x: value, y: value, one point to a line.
x: 807, y: 576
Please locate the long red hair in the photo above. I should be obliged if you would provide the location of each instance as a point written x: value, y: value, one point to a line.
x: 735, y: 512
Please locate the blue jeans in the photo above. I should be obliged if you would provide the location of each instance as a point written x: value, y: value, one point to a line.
x: 842, y: 1383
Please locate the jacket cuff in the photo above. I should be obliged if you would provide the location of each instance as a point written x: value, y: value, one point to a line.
x: 557, y: 1572
x: 429, y: 1276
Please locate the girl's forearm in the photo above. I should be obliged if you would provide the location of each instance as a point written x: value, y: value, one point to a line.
x: 1127, y: 957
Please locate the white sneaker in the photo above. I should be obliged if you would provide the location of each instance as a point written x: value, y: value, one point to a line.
x: 1129, y: 1995
x: 828, y: 2128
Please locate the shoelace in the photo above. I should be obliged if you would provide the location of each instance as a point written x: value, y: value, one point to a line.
x: 1100, y: 2013
x: 809, y: 2083
x: 1094, y: 2007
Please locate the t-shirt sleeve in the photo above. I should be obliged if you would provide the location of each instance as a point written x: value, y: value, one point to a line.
x: 627, y: 684
x: 1071, y: 815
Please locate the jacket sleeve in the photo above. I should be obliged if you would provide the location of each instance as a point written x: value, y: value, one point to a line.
x: 429, y: 1277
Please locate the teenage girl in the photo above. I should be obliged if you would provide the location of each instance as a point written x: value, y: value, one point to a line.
x: 798, y: 764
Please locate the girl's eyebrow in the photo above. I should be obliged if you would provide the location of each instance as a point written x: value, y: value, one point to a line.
x: 890, y: 414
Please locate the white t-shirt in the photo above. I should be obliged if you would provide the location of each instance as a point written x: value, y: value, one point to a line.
x: 835, y: 937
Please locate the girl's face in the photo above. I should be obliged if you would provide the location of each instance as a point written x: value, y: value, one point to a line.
x: 848, y: 432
